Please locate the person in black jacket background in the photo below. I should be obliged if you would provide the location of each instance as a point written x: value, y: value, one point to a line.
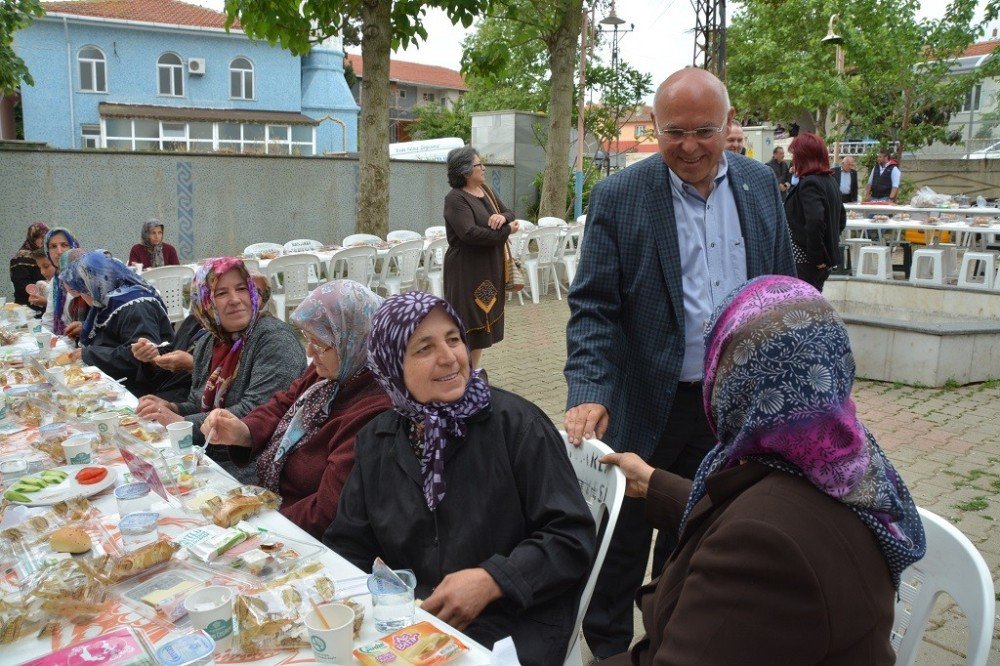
x: 846, y: 177
x: 814, y: 210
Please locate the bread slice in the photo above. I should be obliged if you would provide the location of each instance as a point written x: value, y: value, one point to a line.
x: 70, y: 540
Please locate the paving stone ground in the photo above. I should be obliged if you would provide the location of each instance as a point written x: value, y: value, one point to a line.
x: 944, y: 442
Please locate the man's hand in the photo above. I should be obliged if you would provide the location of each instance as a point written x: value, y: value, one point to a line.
x: 176, y: 361
x: 586, y: 421
x: 222, y: 427
x: 462, y: 596
x: 73, y: 329
x: 144, y: 351
x: 637, y: 472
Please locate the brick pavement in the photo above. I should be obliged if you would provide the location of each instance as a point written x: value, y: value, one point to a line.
x: 945, y: 443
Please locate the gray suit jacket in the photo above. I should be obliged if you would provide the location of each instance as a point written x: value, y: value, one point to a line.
x: 625, y: 336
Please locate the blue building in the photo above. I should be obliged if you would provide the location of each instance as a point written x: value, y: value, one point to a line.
x: 165, y: 75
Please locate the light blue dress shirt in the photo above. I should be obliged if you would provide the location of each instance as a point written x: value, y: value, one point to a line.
x: 713, y: 258
x: 845, y: 182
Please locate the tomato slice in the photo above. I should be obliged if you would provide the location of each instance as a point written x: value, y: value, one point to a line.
x: 89, y: 475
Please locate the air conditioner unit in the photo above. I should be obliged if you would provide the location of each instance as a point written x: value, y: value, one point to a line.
x: 196, y: 66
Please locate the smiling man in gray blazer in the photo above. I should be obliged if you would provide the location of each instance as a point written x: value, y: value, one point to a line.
x: 666, y: 240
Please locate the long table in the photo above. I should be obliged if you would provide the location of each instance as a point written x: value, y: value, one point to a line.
x: 175, y: 519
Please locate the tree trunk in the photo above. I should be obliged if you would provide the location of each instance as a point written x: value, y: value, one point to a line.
x: 372, y: 215
x: 562, y: 48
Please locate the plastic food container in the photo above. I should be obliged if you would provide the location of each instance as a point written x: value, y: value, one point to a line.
x: 138, y: 529
x: 189, y: 650
x: 13, y: 469
x: 133, y: 497
x: 53, y: 433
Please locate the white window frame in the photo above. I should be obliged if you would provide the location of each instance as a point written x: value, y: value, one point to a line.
x: 239, y: 145
x: 973, y: 96
x: 244, y: 74
x: 93, y: 64
x: 87, y: 134
x: 174, y: 77
x: 401, y: 93
x: 428, y: 97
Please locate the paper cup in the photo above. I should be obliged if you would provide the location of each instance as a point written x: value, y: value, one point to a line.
x: 333, y: 645
x: 44, y: 340
x: 180, y: 434
x: 211, y: 609
x: 79, y: 449
x: 107, y: 425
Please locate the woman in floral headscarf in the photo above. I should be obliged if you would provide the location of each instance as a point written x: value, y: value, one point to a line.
x: 23, y: 267
x: 152, y: 252
x: 305, y: 436
x: 470, y: 486
x: 246, y: 358
x: 123, y: 308
x: 796, y: 528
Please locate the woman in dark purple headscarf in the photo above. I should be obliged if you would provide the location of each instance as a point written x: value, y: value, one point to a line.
x: 467, y: 485
x: 796, y: 528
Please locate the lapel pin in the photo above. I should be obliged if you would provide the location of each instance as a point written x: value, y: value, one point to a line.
x: 746, y: 187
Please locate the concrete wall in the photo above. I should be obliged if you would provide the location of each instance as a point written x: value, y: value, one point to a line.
x: 972, y: 177
x: 211, y: 204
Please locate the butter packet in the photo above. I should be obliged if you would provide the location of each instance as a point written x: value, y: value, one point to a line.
x: 208, y: 542
x: 421, y: 644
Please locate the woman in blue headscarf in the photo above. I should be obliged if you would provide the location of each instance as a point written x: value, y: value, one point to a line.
x: 123, y: 308
x: 58, y: 242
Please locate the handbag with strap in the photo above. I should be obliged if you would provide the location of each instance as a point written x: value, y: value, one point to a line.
x: 513, y: 271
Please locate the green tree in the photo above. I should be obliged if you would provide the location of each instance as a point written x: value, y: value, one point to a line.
x: 906, y: 85
x: 384, y: 25
x: 556, y: 26
x: 14, y: 15
x: 621, y: 95
x: 434, y: 121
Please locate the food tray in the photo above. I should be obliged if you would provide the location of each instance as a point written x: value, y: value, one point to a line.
x: 25, y: 557
x: 166, y: 577
x: 286, y: 553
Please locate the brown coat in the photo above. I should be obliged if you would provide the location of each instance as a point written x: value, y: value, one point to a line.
x: 768, y: 571
x: 473, y: 266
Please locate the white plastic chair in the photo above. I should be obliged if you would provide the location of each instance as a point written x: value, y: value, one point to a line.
x: 356, y: 240
x: 354, y: 263
x: 582, y: 219
x: 569, y: 250
x: 551, y: 222
x: 253, y: 265
x: 953, y: 566
x: 402, y: 235
x: 524, y: 226
x: 290, y: 275
x: 302, y: 245
x: 399, y: 267
x: 170, y: 281
x: 433, y: 269
x: 436, y: 232
x: 256, y: 249
x: 541, y: 261
x: 603, y: 488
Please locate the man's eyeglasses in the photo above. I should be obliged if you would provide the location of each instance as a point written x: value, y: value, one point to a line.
x: 676, y: 135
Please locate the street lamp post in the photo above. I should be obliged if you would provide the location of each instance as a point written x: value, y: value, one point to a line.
x: 833, y: 38
x: 613, y: 21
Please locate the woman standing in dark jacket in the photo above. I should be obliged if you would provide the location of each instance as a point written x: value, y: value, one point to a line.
x: 467, y: 485
x: 814, y: 210
x: 478, y: 225
x: 23, y: 267
x: 303, y: 438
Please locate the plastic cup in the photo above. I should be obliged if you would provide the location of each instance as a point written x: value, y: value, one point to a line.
x: 44, y: 340
x: 393, y: 610
x: 79, y: 449
x: 180, y: 434
x: 211, y: 609
x: 107, y: 425
x: 133, y: 497
x: 333, y: 645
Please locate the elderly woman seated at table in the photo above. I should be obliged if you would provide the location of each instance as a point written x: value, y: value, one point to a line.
x: 304, y: 437
x: 152, y: 252
x: 123, y: 308
x: 63, y: 315
x: 246, y: 358
x: 796, y: 528
x: 467, y: 485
